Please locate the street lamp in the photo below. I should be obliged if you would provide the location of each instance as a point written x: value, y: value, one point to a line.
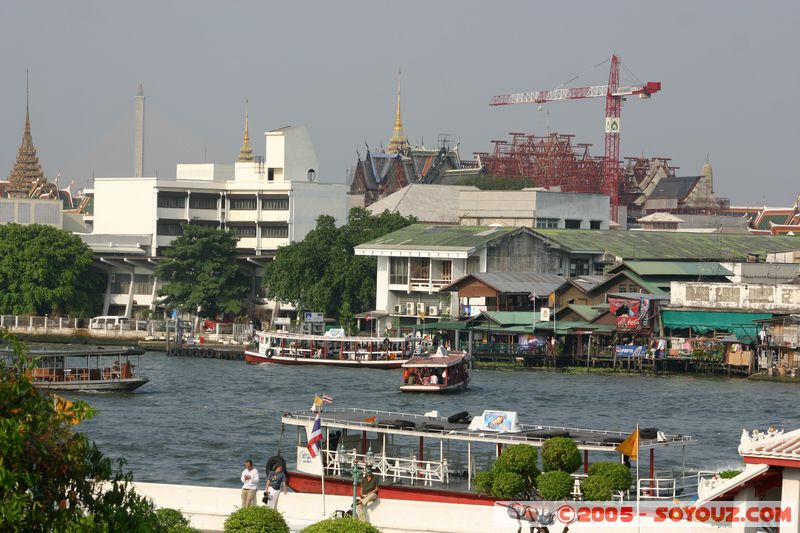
x: 355, y: 473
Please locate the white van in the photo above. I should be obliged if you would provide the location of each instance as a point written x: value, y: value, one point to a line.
x: 109, y: 322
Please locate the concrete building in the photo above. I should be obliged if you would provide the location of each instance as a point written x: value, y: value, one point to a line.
x: 267, y: 202
x: 736, y: 296
x: 470, y: 206
x: 32, y: 211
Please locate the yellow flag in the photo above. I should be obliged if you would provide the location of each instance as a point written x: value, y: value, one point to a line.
x: 317, y: 402
x: 64, y: 407
x: 630, y: 446
x: 551, y: 299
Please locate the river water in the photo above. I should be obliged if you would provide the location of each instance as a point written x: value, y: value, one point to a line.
x: 198, y: 419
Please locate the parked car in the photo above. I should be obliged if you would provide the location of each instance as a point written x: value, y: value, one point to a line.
x: 110, y: 322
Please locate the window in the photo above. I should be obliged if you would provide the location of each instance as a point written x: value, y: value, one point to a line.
x: 595, y: 224
x: 473, y: 264
x: 174, y: 201
x: 243, y: 231
x: 243, y: 204
x: 571, y: 223
x: 270, y: 174
x: 275, y: 204
x: 274, y: 232
x: 398, y: 271
x: 547, y: 223
x: 143, y: 284
x: 623, y: 288
x: 197, y: 201
x: 121, y: 284
x: 169, y: 228
x: 205, y: 223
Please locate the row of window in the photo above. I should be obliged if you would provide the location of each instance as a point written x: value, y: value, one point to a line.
x: 173, y: 201
x: 142, y: 284
x: 272, y: 231
x: 569, y: 223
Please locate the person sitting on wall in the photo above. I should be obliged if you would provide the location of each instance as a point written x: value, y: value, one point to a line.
x: 369, y: 493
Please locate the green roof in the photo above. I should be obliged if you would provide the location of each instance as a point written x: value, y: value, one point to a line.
x: 650, y: 288
x: 776, y: 219
x: 586, y: 312
x: 427, y: 236
x: 442, y: 325
x: 507, y: 318
x: 665, y: 245
x: 701, y: 322
x: 673, y: 268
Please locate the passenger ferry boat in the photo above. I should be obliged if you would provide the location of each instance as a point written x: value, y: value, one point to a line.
x: 331, y: 349
x: 442, y: 372
x: 85, y: 369
x: 427, y: 457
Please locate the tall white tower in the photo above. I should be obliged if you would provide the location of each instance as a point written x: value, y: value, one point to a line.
x: 138, y: 151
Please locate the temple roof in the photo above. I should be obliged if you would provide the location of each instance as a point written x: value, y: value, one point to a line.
x: 27, y: 171
x: 246, y: 151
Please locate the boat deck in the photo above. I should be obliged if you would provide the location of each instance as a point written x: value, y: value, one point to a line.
x: 438, y: 427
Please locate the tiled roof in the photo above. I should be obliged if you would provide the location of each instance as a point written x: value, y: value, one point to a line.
x: 678, y: 188
x: 428, y: 203
x: 515, y: 282
x: 783, y: 446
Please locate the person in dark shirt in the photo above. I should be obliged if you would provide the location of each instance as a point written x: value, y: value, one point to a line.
x: 369, y: 493
x: 275, y: 481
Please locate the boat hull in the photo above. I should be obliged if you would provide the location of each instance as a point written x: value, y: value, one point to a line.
x: 310, y: 484
x: 257, y: 358
x: 117, y: 385
x: 458, y: 387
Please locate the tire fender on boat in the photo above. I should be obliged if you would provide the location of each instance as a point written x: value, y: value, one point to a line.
x: 274, y: 461
x: 463, y: 415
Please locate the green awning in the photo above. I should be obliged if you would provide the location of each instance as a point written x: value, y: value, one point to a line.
x: 443, y: 325
x: 740, y: 324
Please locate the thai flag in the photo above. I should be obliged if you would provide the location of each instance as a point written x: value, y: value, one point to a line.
x: 315, y: 438
x: 327, y: 399
x: 532, y: 296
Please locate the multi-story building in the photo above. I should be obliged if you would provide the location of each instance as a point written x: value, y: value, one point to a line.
x: 267, y: 202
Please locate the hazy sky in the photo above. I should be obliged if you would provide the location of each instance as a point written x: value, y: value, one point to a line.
x: 729, y: 71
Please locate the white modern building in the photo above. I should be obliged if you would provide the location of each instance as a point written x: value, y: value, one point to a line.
x: 266, y: 201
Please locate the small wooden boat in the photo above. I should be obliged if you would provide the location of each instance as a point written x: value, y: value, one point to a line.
x: 284, y: 348
x: 437, y: 373
x: 89, y: 369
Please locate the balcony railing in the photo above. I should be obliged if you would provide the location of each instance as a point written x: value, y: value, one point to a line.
x: 427, y: 284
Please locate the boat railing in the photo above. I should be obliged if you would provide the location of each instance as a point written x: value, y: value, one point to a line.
x: 394, y: 469
x: 657, y: 488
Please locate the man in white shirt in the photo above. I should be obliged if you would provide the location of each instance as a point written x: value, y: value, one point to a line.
x: 249, y: 484
x: 434, y: 379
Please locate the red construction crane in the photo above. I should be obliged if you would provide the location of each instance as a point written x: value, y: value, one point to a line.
x: 613, y: 94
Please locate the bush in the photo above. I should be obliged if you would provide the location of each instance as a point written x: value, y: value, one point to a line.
x: 483, y: 482
x: 561, y: 453
x: 341, y: 525
x: 256, y: 520
x: 507, y: 485
x: 596, y: 488
x: 617, y: 475
x: 555, y: 485
x: 170, y: 518
x: 728, y: 474
x: 183, y: 529
x: 520, y: 459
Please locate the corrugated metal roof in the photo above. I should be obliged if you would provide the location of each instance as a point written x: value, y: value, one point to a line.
x: 666, y: 246
x: 519, y: 282
x: 674, y: 268
x: 439, y: 237
x: 428, y: 203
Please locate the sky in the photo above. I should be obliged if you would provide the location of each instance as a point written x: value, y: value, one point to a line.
x: 728, y: 69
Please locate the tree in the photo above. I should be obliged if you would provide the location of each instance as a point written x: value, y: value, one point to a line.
x: 617, y: 475
x: 322, y: 273
x: 45, y: 270
x: 513, y: 474
x: 561, y: 453
x: 51, y: 477
x: 554, y: 485
x: 199, y: 272
x: 341, y: 525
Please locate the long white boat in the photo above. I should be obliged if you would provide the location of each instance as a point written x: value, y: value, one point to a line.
x: 284, y: 348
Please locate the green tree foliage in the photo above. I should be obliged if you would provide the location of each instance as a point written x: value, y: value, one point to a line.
x: 519, y: 461
x: 561, y: 453
x: 617, y: 475
x: 256, y: 519
x: 322, y: 273
x: 199, y: 271
x: 50, y: 476
x: 341, y: 525
x: 729, y: 474
x: 44, y: 270
x: 596, y: 488
x: 554, y: 485
x: 173, y: 521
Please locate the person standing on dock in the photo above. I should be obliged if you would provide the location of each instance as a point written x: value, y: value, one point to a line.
x: 275, y: 482
x: 249, y: 484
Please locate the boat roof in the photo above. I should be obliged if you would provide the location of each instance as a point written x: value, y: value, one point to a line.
x: 429, y: 426
x: 303, y: 337
x: 79, y: 351
x: 433, y: 361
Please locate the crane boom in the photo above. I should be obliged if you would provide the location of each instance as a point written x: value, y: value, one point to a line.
x: 539, y: 97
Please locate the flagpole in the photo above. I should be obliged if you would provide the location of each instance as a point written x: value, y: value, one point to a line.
x: 638, y: 497
x: 322, y: 460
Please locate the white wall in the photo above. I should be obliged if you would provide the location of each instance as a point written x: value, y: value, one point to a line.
x: 310, y: 200
x: 124, y: 206
x: 735, y: 296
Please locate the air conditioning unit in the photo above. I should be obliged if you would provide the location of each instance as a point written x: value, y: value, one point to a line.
x: 410, y: 308
x: 433, y: 311
x: 420, y: 307
x: 113, y: 278
x: 398, y: 309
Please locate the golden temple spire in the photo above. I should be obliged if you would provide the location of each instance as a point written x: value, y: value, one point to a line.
x: 246, y: 152
x: 398, y: 140
x: 27, y: 172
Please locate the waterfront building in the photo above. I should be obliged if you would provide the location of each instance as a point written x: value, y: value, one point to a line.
x: 267, y: 202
